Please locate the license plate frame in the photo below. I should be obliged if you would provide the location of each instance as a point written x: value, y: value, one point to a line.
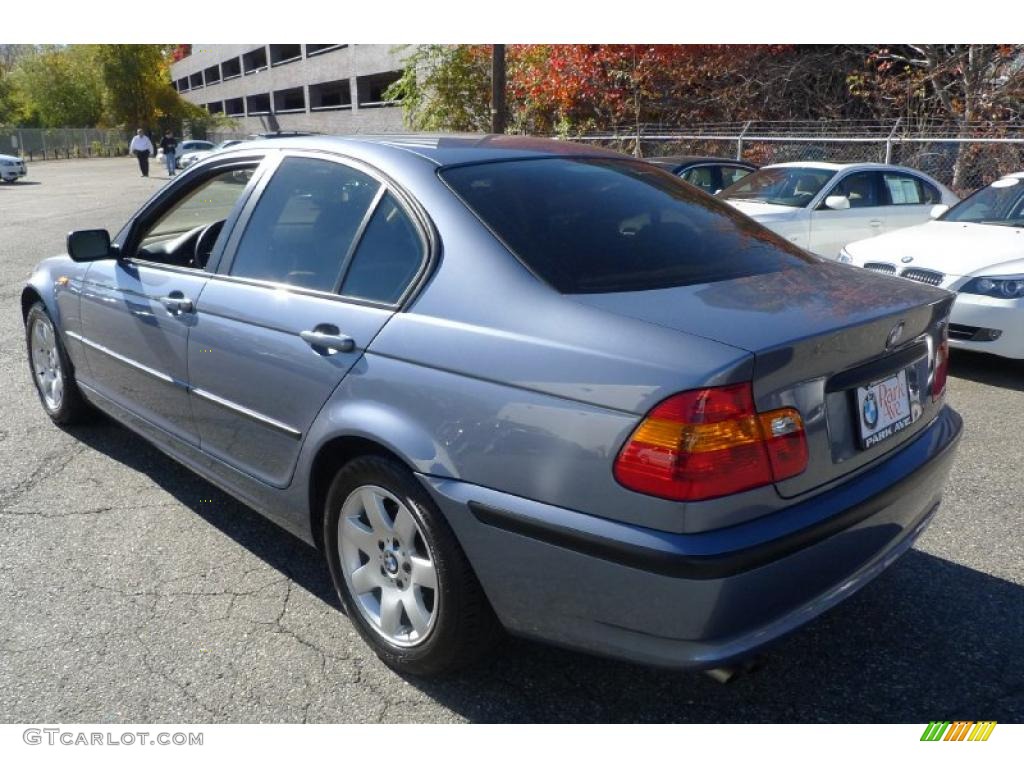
x: 885, y: 408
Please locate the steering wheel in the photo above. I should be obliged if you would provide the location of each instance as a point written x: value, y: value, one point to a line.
x: 205, y: 242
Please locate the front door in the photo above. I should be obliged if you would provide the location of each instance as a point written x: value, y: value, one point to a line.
x: 137, y: 311
x: 319, y: 268
x: 831, y: 230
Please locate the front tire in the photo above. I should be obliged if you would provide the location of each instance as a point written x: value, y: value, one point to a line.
x: 399, y: 572
x: 52, y: 373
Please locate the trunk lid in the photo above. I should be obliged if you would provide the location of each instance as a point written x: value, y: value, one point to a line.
x: 817, y: 332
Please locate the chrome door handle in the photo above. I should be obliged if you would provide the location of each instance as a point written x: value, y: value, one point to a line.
x: 176, y: 302
x: 331, y: 342
x: 875, y: 222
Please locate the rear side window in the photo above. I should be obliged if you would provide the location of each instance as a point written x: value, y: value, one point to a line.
x: 388, y: 258
x: 305, y: 223
x: 606, y: 225
x: 904, y: 189
x: 733, y: 173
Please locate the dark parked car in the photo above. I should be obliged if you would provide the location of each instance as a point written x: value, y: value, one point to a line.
x: 509, y: 382
x: 712, y: 174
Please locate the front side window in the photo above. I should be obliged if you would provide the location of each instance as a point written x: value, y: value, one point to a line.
x: 702, y: 176
x: 793, y: 186
x: 305, y: 223
x: 172, y: 237
x: 861, y: 189
x: 588, y: 225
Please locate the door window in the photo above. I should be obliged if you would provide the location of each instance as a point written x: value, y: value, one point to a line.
x: 185, y: 233
x: 904, y: 189
x: 861, y: 189
x: 703, y: 176
x: 733, y: 173
x: 388, y: 257
x: 305, y: 224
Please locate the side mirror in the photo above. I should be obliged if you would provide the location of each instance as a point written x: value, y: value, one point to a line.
x: 938, y: 210
x: 89, y: 245
x: 837, y: 202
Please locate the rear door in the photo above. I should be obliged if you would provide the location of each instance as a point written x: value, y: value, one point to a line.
x: 324, y: 258
x: 909, y: 199
x: 833, y: 229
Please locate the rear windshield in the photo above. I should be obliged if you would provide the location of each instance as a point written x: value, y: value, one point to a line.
x: 606, y: 225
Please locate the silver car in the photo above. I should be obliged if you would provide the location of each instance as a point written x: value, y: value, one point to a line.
x: 505, y: 382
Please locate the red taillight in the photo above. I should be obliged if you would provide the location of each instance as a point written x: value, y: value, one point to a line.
x: 941, y: 371
x: 711, y: 442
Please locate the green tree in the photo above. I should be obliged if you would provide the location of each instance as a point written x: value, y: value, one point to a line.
x: 137, y: 82
x: 57, y: 87
x: 445, y: 88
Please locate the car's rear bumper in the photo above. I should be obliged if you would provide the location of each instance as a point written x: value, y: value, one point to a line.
x: 695, y: 600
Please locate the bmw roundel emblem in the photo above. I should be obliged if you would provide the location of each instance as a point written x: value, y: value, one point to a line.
x: 907, y: 259
x: 870, y: 410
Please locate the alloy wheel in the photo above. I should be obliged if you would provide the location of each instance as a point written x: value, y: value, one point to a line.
x: 46, y: 365
x: 388, y: 566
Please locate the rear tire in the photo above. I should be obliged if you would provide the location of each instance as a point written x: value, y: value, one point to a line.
x: 52, y: 372
x: 400, y: 573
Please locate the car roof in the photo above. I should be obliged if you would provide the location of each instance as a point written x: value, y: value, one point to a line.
x: 678, y: 160
x: 441, y: 149
x: 842, y: 166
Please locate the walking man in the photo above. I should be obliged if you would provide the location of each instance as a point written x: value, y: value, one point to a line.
x: 169, y: 144
x: 142, y: 148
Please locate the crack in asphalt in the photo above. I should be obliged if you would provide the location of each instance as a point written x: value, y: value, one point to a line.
x: 51, y: 465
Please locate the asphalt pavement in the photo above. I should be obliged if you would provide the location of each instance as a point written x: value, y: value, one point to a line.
x: 133, y: 591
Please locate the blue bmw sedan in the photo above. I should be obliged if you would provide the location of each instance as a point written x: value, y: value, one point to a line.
x: 509, y: 383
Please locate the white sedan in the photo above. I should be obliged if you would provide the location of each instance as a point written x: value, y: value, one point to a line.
x: 12, y: 168
x: 824, y: 206
x: 189, y: 147
x: 194, y: 156
x: 975, y: 249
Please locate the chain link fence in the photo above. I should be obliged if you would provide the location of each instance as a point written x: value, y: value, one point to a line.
x: 963, y: 163
x: 63, y: 143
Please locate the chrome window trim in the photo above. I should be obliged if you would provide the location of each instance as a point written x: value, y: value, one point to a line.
x: 300, y: 290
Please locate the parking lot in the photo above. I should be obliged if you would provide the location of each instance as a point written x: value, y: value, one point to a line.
x: 134, y: 591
